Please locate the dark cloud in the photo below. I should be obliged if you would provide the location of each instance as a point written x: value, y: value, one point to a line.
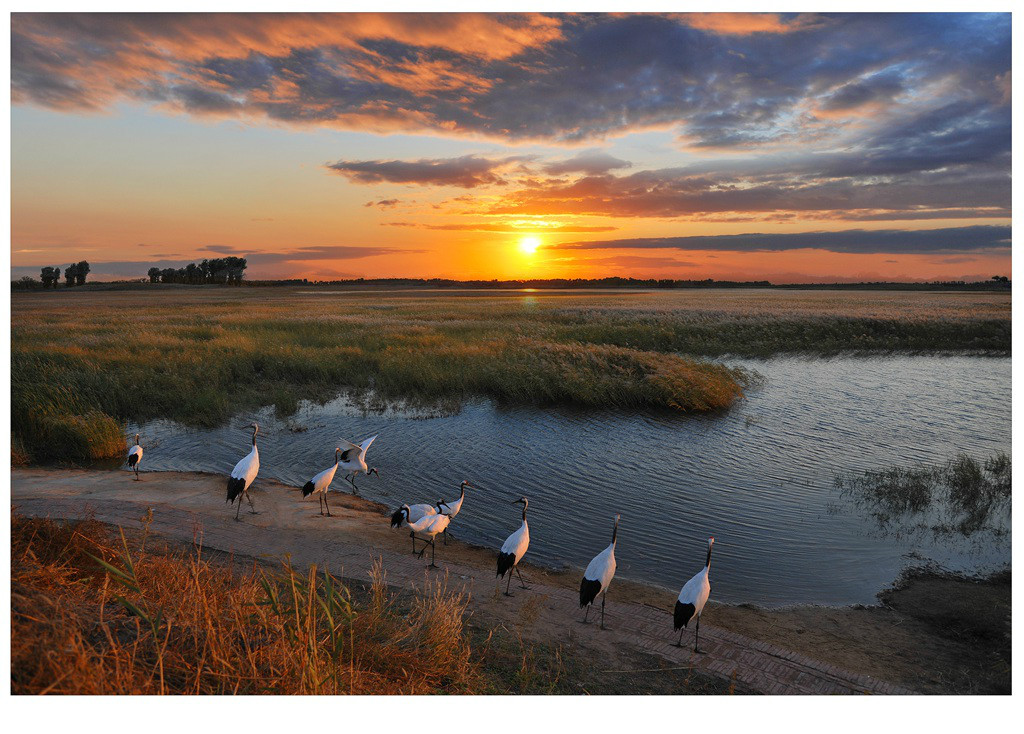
x: 509, y: 228
x: 895, y: 241
x: 383, y: 203
x: 468, y: 171
x: 590, y: 162
x: 317, y: 252
x: 720, y: 82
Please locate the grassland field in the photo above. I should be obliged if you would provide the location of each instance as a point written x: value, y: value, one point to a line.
x: 84, y: 362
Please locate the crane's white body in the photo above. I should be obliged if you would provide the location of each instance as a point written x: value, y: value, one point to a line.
x: 418, y: 512
x: 322, y: 481
x: 696, y: 591
x: 136, y: 450
x: 247, y: 468
x: 602, y: 568
x: 517, y: 543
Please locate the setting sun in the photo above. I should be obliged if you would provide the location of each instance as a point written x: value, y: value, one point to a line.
x: 529, y: 245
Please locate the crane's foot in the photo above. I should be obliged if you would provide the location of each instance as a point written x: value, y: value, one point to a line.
x: 432, y: 565
x: 698, y: 651
x: 329, y: 515
x: 507, y: 594
x: 677, y: 644
x: 253, y: 512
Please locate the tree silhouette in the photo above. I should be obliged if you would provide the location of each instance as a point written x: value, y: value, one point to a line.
x: 48, y: 277
x: 81, y: 270
x: 154, y: 275
x: 70, y: 274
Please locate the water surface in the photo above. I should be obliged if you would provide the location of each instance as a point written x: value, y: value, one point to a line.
x: 760, y: 477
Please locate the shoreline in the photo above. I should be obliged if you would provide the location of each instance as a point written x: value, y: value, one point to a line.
x: 897, y: 641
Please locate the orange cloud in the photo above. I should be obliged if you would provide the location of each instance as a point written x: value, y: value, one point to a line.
x: 743, y: 24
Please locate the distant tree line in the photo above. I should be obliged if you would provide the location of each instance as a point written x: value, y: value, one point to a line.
x: 220, y: 270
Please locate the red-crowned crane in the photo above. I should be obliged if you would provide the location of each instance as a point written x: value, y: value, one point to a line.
x: 692, y: 598
x: 415, y: 513
x: 243, y: 474
x: 426, y: 529
x: 353, y: 460
x: 135, y: 457
x: 319, y: 484
x: 453, y: 508
x: 513, y: 550
x: 598, y: 576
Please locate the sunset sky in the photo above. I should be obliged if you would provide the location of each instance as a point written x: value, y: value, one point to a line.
x: 730, y: 146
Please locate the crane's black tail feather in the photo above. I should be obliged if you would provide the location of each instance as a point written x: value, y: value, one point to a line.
x: 133, y: 460
x: 506, y: 561
x: 589, y: 591
x: 683, y: 614
x: 396, y: 518
x: 307, y: 489
x: 235, y: 487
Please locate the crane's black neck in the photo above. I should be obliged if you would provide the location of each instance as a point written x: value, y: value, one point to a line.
x: 524, y: 513
x: 707, y: 563
x: 254, y: 432
x: 615, y: 531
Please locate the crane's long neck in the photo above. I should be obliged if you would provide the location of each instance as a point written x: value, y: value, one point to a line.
x: 255, y: 430
x: 707, y: 563
x: 615, y: 531
x: 136, y: 439
x: 524, y: 512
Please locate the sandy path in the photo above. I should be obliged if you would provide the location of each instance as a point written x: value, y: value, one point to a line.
x: 188, y: 506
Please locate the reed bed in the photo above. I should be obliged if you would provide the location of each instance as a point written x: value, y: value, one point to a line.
x: 82, y: 363
x: 96, y: 613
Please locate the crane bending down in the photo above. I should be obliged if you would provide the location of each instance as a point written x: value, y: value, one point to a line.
x: 513, y: 550
x: 598, y: 576
x: 692, y: 598
x: 427, y: 528
x: 353, y: 461
x: 135, y: 457
x: 243, y: 474
x: 319, y: 484
x: 415, y: 513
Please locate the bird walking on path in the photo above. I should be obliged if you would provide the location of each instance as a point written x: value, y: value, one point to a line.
x: 454, y: 508
x: 692, y: 598
x: 426, y: 529
x: 243, y: 474
x: 135, y: 457
x: 353, y: 461
x: 598, y: 576
x: 321, y: 483
x: 513, y: 550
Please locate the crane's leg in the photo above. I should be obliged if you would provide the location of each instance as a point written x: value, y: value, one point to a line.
x: 328, y: 504
x: 696, y: 637
x: 238, y: 508
x: 446, y: 536
x: 137, y: 473
x: 508, y: 584
x: 320, y: 497
x: 679, y: 642
x: 586, y: 614
x: 521, y: 582
x: 602, y: 610
x: 252, y: 507
x: 432, y: 564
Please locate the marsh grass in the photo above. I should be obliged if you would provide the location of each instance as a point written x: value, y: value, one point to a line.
x: 82, y: 363
x: 94, y: 612
x: 963, y: 496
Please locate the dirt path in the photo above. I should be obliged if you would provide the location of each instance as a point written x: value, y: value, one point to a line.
x: 191, y: 506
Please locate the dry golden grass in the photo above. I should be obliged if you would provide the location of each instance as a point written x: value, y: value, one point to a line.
x: 94, y: 613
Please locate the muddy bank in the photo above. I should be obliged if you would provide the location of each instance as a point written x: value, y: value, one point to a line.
x: 928, y: 634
